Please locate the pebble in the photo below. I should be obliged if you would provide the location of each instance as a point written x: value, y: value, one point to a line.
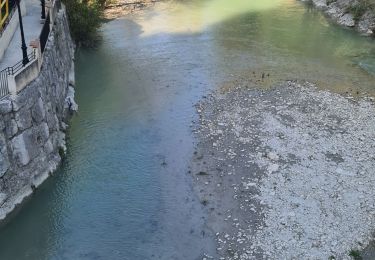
x: 306, y: 200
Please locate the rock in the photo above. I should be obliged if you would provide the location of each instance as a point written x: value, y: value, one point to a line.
x: 4, y: 163
x: 64, y: 126
x: 347, y: 20
x: 338, y: 11
x: 367, y: 25
x: 4, y: 160
x: 38, y: 112
x: 48, y: 147
x: 321, y: 4
x: 23, y: 119
x: 273, y: 156
x: 273, y: 168
x: 11, y: 128
x: 51, y: 118
x: 70, y: 104
x: 28, y: 144
x: 334, y: 11
x: 3, y: 197
x: 248, y: 185
x: 19, y: 150
x: 5, y: 106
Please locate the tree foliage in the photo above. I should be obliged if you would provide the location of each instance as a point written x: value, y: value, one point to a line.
x: 85, y: 18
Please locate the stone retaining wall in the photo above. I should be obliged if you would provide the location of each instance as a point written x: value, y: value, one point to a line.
x: 33, y: 122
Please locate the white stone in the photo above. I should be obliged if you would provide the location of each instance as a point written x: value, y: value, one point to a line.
x: 19, y: 149
x: 347, y: 20
x: 273, y: 168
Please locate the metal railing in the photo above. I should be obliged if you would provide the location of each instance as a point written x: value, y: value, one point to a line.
x: 19, y: 65
x: 9, y: 71
x: 4, y: 11
x: 7, y: 9
x: 4, y: 90
x: 43, y: 37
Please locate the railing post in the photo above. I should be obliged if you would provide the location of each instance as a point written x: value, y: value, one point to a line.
x: 12, y: 85
x: 43, y: 4
x: 43, y: 37
x: 23, y: 47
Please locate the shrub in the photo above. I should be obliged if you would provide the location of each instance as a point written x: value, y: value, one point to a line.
x: 84, y: 19
x: 355, y: 254
x: 360, y: 8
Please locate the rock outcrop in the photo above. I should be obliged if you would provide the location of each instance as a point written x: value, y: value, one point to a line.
x: 358, y: 14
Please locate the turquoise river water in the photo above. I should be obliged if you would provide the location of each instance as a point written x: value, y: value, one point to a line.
x: 123, y: 190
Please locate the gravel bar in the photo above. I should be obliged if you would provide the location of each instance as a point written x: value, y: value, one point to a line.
x: 286, y: 173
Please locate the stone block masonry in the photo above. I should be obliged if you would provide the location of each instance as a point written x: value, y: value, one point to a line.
x: 33, y: 122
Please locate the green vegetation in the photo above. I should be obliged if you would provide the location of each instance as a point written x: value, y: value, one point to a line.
x: 355, y: 254
x: 360, y: 8
x: 61, y: 152
x: 85, y: 17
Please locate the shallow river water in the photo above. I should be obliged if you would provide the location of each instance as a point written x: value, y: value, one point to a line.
x: 123, y: 191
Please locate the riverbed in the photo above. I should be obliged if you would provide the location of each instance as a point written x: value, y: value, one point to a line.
x: 286, y: 173
x: 124, y: 190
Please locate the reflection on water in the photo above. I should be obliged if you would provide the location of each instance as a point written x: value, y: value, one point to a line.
x: 195, y: 16
x: 281, y: 36
x: 124, y: 190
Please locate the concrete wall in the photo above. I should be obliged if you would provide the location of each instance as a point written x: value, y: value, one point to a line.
x: 27, y: 75
x: 33, y: 122
x: 11, y: 28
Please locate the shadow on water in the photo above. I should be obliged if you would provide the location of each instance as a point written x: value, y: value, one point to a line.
x: 123, y: 191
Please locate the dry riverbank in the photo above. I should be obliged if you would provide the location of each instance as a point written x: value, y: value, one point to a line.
x: 118, y: 8
x: 286, y: 173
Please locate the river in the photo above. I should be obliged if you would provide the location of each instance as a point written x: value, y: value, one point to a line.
x: 124, y: 189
